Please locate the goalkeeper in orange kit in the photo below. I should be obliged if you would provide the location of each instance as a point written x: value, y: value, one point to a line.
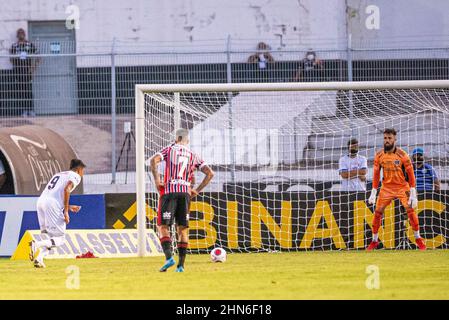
x: 398, y: 183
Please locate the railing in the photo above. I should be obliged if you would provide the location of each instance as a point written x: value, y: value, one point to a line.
x: 89, y: 97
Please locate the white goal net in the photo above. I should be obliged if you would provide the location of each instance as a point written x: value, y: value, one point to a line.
x: 277, y: 150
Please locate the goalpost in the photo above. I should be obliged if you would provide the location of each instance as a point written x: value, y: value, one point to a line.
x: 275, y: 148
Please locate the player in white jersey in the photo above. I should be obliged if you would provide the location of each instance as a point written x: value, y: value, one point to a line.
x: 53, y: 210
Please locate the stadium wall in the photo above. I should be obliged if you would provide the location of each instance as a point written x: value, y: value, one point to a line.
x: 180, y: 21
x: 281, y: 23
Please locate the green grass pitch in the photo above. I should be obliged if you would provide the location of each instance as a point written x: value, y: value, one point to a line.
x: 298, y: 275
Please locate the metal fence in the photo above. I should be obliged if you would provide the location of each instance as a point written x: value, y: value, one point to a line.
x: 89, y: 97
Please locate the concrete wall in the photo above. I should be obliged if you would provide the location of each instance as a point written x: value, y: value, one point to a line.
x: 199, y: 25
x: 402, y: 23
x: 189, y: 21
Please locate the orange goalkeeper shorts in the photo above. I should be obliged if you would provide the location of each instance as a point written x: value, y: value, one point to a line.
x: 386, y: 195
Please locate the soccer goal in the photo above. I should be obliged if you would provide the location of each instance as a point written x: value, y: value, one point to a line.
x: 277, y: 148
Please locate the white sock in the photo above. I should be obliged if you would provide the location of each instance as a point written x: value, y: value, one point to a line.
x: 42, y: 254
x: 375, y: 237
x: 46, y: 243
x: 417, y: 236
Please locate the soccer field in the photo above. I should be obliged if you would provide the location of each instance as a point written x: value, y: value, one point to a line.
x: 300, y: 275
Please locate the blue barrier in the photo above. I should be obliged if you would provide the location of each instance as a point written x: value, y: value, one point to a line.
x: 18, y: 214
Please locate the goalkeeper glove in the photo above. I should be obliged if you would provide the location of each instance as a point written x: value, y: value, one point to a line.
x: 372, y: 197
x: 413, y: 199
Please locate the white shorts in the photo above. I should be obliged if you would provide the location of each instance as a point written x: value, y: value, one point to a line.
x: 51, y: 217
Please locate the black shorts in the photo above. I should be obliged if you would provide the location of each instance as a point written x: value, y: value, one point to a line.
x: 174, y: 207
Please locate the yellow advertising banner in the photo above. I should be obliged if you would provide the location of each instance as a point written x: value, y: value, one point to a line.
x: 102, y: 243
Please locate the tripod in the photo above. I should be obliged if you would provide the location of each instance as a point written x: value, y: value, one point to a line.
x: 403, y: 240
x: 126, y: 143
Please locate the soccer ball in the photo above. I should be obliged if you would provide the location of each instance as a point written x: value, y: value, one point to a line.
x: 218, y: 255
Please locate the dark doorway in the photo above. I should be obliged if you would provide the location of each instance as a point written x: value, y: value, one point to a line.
x: 8, y: 186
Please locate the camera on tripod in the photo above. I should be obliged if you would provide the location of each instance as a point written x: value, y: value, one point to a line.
x: 127, y: 129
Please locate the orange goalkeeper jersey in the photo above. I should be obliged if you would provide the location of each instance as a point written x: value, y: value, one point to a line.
x: 397, y: 170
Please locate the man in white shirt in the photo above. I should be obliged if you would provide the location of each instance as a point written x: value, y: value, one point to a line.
x: 353, y: 168
x: 2, y: 174
x: 53, y: 210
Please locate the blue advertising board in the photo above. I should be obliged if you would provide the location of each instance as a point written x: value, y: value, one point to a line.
x: 18, y: 214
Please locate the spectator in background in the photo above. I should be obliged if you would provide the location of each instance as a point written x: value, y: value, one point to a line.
x: 262, y: 56
x: 353, y: 168
x: 426, y: 177
x: 2, y: 174
x: 311, y: 68
x: 23, y: 69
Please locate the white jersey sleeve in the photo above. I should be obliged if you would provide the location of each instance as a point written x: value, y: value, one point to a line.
x: 74, y: 178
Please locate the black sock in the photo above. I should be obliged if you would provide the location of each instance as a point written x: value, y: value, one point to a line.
x: 182, y: 252
x: 166, y: 246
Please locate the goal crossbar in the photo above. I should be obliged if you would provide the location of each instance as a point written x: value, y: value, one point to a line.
x: 293, y: 86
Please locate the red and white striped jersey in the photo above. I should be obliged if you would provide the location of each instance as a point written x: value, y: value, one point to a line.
x: 180, y: 165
